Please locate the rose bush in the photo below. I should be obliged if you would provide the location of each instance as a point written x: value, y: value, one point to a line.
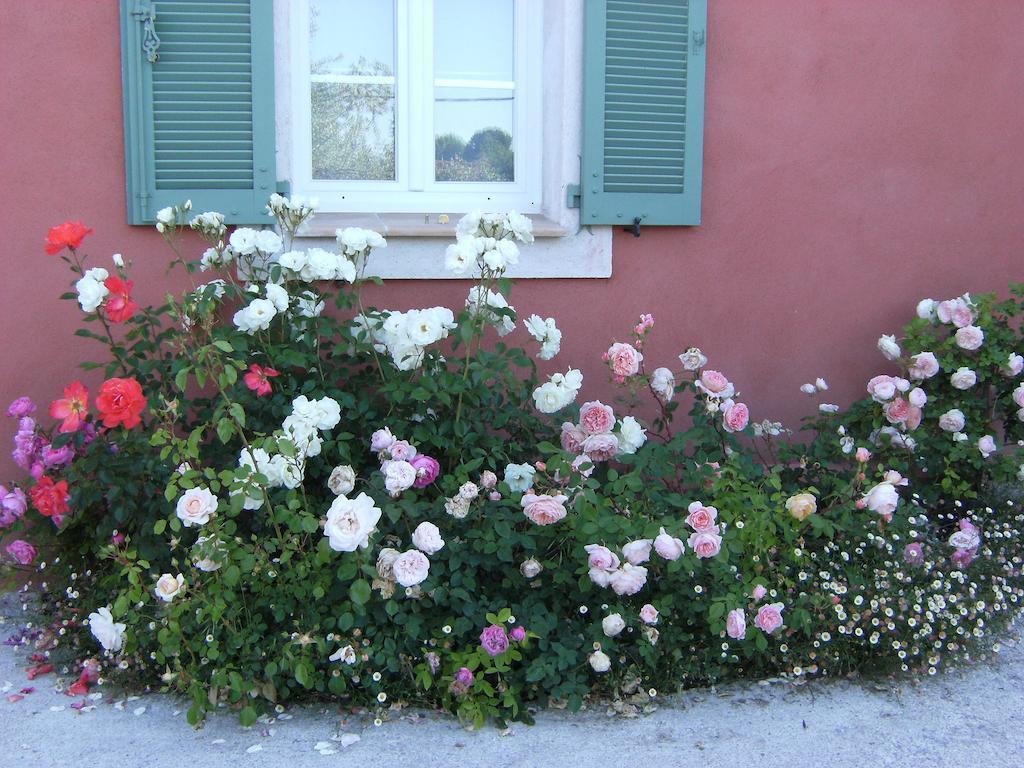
x: 269, y: 499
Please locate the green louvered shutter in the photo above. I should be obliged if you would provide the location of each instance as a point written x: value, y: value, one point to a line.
x: 198, y: 81
x: 643, y: 111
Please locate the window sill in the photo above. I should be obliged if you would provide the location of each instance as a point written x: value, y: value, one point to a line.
x: 411, y: 225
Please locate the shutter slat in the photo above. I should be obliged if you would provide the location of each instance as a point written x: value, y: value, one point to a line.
x: 204, y: 124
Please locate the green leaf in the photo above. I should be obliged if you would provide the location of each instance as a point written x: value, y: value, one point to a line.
x: 247, y: 716
x: 360, y: 592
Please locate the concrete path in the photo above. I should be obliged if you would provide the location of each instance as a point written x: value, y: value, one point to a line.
x: 962, y: 718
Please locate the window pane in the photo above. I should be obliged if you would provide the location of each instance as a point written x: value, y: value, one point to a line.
x: 474, y: 90
x: 352, y: 89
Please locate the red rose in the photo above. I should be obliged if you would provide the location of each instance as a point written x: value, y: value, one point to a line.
x: 119, y: 306
x: 120, y: 401
x: 50, y: 498
x: 70, y: 234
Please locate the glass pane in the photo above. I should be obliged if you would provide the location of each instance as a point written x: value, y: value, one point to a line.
x: 474, y: 90
x: 352, y: 89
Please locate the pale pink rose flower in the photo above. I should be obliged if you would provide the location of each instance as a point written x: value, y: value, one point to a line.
x: 714, y: 384
x: 952, y: 420
x: 736, y: 624
x: 954, y: 311
x: 410, y: 568
x: 601, y: 447
x: 1018, y: 395
x: 735, y: 416
x: 584, y: 465
x: 863, y: 455
x: 638, y: 551
x: 769, y: 617
x: 1014, y: 365
x: 987, y: 446
x: 545, y: 509
x: 402, y: 450
x: 596, y: 418
x: 759, y: 592
x: 914, y: 415
x: 882, y: 388
x: 601, y: 557
x: 882, y: 499
x: 667, y: 546
x: 970, y: 337
x: 923, y: 366
x: 488, y: 479
x: 893, y: 477
x: 963, y: 378
x: 624, y: 359
x: 649, y: 614
x: 701, y: 518
x: 918, y: 397
x: 705, y: 543
x: 629, y: 579
x: 381, y: 440
x: 572, y: 437
x: 896, y: 411
x: 601, y: 577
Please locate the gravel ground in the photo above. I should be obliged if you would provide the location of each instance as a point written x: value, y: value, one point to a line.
x: 968, y: 717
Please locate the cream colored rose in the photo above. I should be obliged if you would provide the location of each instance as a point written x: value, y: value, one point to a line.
x: 342, y: 480
x: 802, y: 505
x: 168, y: 587
x: 196, y: 506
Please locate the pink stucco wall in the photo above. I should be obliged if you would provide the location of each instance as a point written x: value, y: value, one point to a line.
x: 859, y: 156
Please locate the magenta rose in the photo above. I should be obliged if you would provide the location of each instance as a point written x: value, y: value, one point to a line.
x: 13, y: 504
x: 769, y: 617
x: 736, y: 624
x: 494, y: 640
x: 23, y: 552
x: 57, y: 457
x: 596, y: 418
x: 702, y: 518
x: 623, y: 359
x: 464, y: 676
x: 572, y: 438
x: 518, y: 634
x: 23, y: 406
x: 964, y: 557
x: 735, y: 416
x: 427, y: 470
x: 705, y: 543
x: 544, y: 510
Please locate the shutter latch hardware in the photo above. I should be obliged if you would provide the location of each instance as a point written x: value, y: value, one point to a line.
x: 634, y: 228
x: 146, y: 14
x: 698, y: 37
x: 572, y: 196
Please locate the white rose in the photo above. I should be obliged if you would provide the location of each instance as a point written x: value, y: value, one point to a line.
x: 917, y: 397
x: 808, y: 389
x: 613, y: 624
x: 256, y: 316
x: 638, y: 551
x: 963, y: 378
x: 965, y: 540
x: 820, y: 384
x: 324, y: 413
x: 320, y: 265
x: 166, y: 216
x: 411, y: 568
x: 693, y: 359
x: 631, y: 435
x: 926, y: 309
x: 277, y: 296
x: 196, y: 506
x: 599, y: 661
x: 342, y: 480
x: 549, y: 398
x: 987, y: 446
x: 457, y: 507
x: 294, y: 261
x: 882, y: 499
x: 663, y: 384
x: 519, y: 477
x: 399, y: 476
x: 346, y: 655
x: 350, y: 522
x: 889, y: 348
x: 268, y: 241
x: 243, y: 240
x: 531, y: 568
x: 91, y: 290
x: 168, y: 587
x: 469, y: 491
x: 427, y: 538
x: 109, y: 633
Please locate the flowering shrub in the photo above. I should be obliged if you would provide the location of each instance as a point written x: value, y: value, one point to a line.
x: 267, y: 499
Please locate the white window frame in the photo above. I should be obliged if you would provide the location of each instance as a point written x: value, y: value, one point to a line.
x: 414, y: 189
x: 564, y: 247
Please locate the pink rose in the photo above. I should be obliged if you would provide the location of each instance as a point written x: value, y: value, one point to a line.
x: 914, y: 415
x: 759, y: 592
x: 411, y: 568
x: 714, y: 384
x: 918, y: 397
x: 601, y: 447
x: 705, y: 543
x: 22, y: 552
x: 952, y: 420
x: 863, y: 455
x: 1014, y: 365
x: 963, y: 557
x: 601, y: 557
x: 956, y: 311
x: 402, y: 450
x: 518, y: 634
x: 882, y: 388
x: 624, y: 359
x: 702, y: 518
x: 970, y: 337
x: 736, y: 624
x: 1018, y: 395
x: 735, y: 416
x: 638, y: 551
x: 22, y: 406
x: 601, y: 577
x: 488, y: 479
x: 667, y: 546
x: 987, y: 446
x: 882, y: 499
x: 494, y: 640
x: 13, y: 505
x: 896, y: 410
x: 572, y: 437
x: 544, y: 510
x: 923, y: 366
x: 629, y: 579
x: 596, y: 418
x: 649, y: 614
x: 427, y: 470
x: 769, y: 617
x: 381, y: 440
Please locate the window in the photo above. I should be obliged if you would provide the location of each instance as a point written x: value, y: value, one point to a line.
x: 424, y: 105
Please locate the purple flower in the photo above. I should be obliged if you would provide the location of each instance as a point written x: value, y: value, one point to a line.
x: 963, y: 557
x: 913, y: 554
x: 427, y: 470
x: 57, y: 457
x: 23, y: 406
x: 23, y: 552
x: 518, y: 634
x: 12, y: 506
x: 464, y: 677
x: 494, y: 640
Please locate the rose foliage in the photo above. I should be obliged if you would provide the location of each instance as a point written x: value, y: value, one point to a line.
x: 277, y: 493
